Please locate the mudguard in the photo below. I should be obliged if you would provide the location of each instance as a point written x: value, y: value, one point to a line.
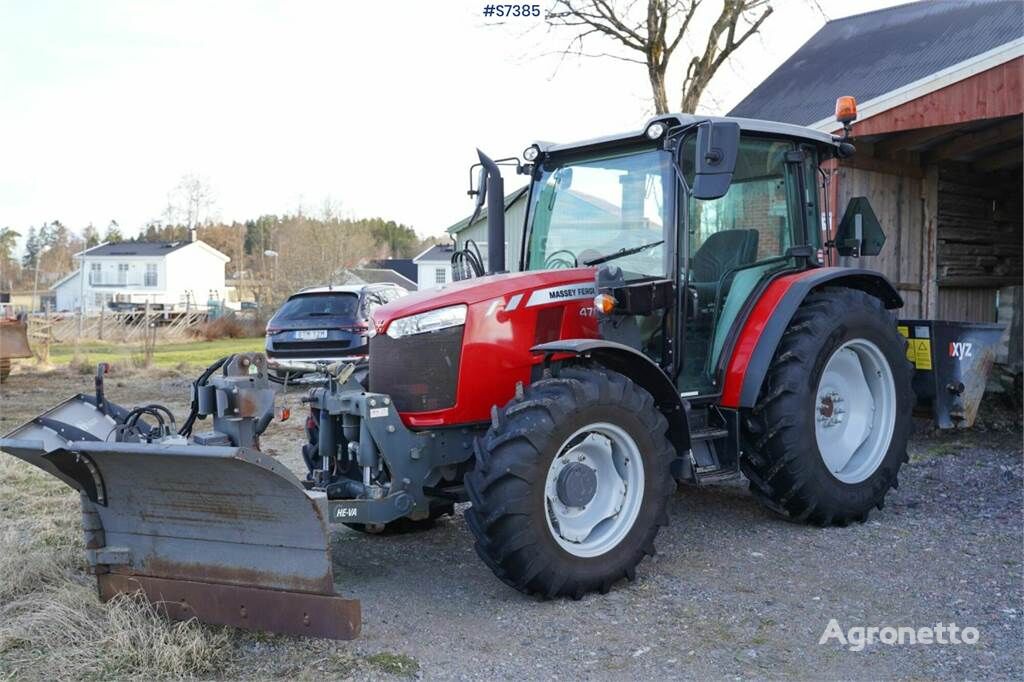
x: 638, y: 367
x: 755, y: 345
x: 224, y: 534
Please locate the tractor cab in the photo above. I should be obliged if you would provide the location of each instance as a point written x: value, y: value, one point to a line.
x: 686, y: 221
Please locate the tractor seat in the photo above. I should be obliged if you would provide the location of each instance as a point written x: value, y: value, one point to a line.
x: 714, y: 261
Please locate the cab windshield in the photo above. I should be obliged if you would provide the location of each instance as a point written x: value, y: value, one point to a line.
x: 600, y: 209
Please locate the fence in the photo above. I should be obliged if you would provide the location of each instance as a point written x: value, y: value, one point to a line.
x: 114, y: 326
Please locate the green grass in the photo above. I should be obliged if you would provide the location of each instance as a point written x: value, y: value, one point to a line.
x: 394, y: 664
x: 200, y: 353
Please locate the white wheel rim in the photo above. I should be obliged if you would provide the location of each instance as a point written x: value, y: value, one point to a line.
x: 855, y: 411
x: 601, y: 524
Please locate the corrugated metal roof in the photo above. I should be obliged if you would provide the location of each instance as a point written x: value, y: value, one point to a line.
x: 867, y: 55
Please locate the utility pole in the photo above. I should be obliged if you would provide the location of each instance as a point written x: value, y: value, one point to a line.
x: 35, y: 284
x: 81, y: 292
x: 273, y: 275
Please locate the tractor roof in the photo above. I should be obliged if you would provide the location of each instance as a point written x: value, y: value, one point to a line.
x: 746, y: 124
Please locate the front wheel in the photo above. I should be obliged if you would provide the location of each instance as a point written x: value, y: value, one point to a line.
x: 829, y: 433
x: 571, y: 484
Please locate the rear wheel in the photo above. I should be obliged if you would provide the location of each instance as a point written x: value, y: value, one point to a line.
x: 571, y: 484
x: 829, y: 433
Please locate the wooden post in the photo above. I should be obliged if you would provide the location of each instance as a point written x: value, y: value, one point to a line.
x: 929, y: 235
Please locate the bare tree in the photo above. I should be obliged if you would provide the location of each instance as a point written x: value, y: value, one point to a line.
x: 656, y: 30
x: 190, y: 202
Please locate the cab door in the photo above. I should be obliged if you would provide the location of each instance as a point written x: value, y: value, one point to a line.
x: 732, y: 245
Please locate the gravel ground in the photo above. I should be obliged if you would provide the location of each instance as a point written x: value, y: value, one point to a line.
x: 733, y: 591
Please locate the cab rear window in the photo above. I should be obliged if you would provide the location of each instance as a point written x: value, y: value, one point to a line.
x: 343, y: 305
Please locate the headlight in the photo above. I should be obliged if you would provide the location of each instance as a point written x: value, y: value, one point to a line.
x: 430, y: 321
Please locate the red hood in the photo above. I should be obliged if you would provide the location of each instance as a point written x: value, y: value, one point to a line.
x: 474, y: 290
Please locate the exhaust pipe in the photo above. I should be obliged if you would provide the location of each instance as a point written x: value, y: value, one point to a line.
x: 495, y: 215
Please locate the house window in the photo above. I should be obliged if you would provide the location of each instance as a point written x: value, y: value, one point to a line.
x: 122, y: 273
x: 440, y: 276
x: 95, y: 273
x: 150, y: 280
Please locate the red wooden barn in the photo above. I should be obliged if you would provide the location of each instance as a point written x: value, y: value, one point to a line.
x: 939, y: 146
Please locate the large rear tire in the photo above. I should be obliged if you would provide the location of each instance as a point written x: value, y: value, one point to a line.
x: 571, y: 484
x: 829, y: 433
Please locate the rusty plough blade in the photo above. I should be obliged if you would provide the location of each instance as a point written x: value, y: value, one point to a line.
x: 223, y: 534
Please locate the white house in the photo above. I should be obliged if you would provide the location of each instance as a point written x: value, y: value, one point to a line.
x: 434, y: 267
x: 174, y: 275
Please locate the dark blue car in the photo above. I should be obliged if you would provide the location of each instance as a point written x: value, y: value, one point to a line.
x: 326, y: 323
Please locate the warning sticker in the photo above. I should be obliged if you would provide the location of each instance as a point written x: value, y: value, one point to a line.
x: 919, y: 351
x: 903, y: 329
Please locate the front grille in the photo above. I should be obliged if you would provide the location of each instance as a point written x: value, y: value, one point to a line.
x: 420, y: 372
x: 319, y: 344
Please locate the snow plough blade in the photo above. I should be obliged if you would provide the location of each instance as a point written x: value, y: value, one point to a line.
x: 223, y: 534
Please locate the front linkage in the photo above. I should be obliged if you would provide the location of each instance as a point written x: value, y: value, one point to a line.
x: 376, y: 470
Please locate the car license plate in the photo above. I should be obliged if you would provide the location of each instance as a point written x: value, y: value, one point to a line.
x: 311, y: 334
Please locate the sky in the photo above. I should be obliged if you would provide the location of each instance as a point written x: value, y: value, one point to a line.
x: 372, y: 107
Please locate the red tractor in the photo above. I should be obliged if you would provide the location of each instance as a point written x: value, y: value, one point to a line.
x: 671, y: 319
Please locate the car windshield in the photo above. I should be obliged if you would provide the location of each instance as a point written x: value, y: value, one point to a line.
x: 337, y: 304
x: 584, y: 210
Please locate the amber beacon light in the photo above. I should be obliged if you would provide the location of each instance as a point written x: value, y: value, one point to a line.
x: 846, y: 109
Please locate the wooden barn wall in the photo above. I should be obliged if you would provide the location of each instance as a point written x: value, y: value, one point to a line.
x: 993, y: 93
x: 979, y: 233
x: 967, y: 304
x: 979, y: 239
x: 898, y: 202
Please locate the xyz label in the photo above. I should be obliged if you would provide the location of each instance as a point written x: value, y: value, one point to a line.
x: 960, y: 350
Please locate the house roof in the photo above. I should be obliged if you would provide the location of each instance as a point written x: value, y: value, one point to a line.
x: 868, y: 55
x: 384, y: 276
x: 437, y: 252
x: 65, y: 279
x: 136, y: 248
x: 510, y: 199
x: 403, y: 266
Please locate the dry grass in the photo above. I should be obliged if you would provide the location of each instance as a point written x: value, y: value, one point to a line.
x: 64, y: 633
x: 227, y: 327
x: 52, y: 625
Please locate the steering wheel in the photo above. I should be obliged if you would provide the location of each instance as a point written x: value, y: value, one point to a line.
x: 556, y: 262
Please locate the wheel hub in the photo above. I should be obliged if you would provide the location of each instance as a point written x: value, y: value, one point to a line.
x: 829, y: 411
x: 855, y: 410
x: 594, y: 489
x: 577, y: 484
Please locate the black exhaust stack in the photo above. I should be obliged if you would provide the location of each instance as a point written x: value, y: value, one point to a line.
x: 495, y: 215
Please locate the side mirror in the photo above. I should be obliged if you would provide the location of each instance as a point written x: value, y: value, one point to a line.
x: 859, y: 233
x: 563, y: 178
x: 714, y: 162
x: 481, y: 188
